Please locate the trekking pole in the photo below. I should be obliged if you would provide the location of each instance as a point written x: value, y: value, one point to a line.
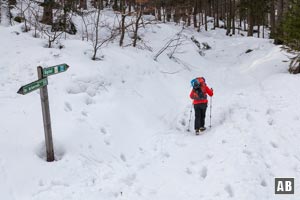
x: 190, y: 118
x: 210, y: 112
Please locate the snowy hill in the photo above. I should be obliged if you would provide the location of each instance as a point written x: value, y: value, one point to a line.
x: 119, y: 124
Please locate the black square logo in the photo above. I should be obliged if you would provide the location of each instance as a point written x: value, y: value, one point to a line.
x: 284, y: 185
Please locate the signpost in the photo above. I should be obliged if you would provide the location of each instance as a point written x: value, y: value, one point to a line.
x: 41, y: 84
x: 33, y: 86
x: 55, y: 69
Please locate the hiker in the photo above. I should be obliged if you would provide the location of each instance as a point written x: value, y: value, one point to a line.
x: 199, y: 96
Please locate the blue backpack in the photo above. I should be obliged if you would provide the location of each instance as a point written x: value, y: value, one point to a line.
x: 199, y: 85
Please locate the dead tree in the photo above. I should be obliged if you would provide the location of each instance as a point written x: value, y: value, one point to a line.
x: 52, y: 36
x: 100, y: 31
x: 170, y: 44
x: 139, y: 14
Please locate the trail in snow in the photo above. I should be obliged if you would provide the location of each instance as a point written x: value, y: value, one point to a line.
x: 119, y: 125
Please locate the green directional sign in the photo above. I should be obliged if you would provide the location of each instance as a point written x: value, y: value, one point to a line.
x: 55, y: 69
x: 33, y: 86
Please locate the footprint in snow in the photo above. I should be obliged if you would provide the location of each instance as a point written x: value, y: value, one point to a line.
x: 270, y: 121
x: 203, y: 172
x: 263, y: 183
x: 89, y: 101
x: 270, y: 111
x: 103, y: 131
x: 183, y: 122
x: 166, y: 155
x: 123, y: 158
x: 247, y: 152
x: 268, y: 166
x: 229, y: 190
x: 107, y: 142
x: 274, y: 145
x: 249, y: 117
x: 84, y: 113
x: 209, y: 156
x: 68, y: 107
x: 188, y: 171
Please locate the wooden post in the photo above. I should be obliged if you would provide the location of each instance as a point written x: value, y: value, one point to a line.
x: 46, y: 118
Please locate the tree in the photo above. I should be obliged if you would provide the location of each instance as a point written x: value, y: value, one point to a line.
x: 1, y: 11
x: 138, y: 17
x: 123, y: 16
x: 83, y: 4
x: 272, y: 18
x: 5, y: 14
x: 101, y: 32
x: 291, y: 26
x: 48, y: 15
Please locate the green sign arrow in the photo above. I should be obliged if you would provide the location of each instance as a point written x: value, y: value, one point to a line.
x: 33, y: 86
x: 55, y: 69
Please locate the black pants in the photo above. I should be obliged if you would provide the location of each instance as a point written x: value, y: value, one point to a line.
x: 200, y: 110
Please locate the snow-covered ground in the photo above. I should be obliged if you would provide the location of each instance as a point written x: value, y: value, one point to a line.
x: 119, y: 125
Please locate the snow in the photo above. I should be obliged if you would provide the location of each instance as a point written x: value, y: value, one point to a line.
x: 119, y: 124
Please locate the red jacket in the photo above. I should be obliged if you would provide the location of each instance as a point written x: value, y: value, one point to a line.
x: 194, y: 95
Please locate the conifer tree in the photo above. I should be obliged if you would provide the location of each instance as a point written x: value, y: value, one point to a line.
x: 291, y: 26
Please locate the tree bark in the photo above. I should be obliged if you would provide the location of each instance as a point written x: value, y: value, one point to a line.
x: 122, y: 24
x: 139, y: 16
x: 48, y: 15
x: 229, y: 18
x: 233, y: 17
x: 272, y: 19
x: 96, y: 42
x: 195, y: 13
x: 82, y: 4
x: 250, y: 23
x: 217, y: 16
x: 205, y: 14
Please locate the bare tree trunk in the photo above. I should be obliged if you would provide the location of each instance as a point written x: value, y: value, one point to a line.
x: 245, y: 26
x: 82, y: 4
x: 129, y: 6
x: 122, y: 5
x: 225, y: 14
x: 190, y: 11
x: 264, y: 23
x: 168, y: 13
x: 122, y: 24
x: 250, y: 23
x: 0, y: 12
x: 218, y: 16
x: 135, y: 35
x: 214, y: 12
x: 164, y: 14
x: 195, y: 13
x: 208, y: 7
x: 272, y: 19
x: 96, y: 42
x: 233, y: 17
x: 115, y: 5
x: 205, y: 14
x: 229, y: 18
x: 158, y: 10
x: 176, y: 15
x: 48, y: 15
